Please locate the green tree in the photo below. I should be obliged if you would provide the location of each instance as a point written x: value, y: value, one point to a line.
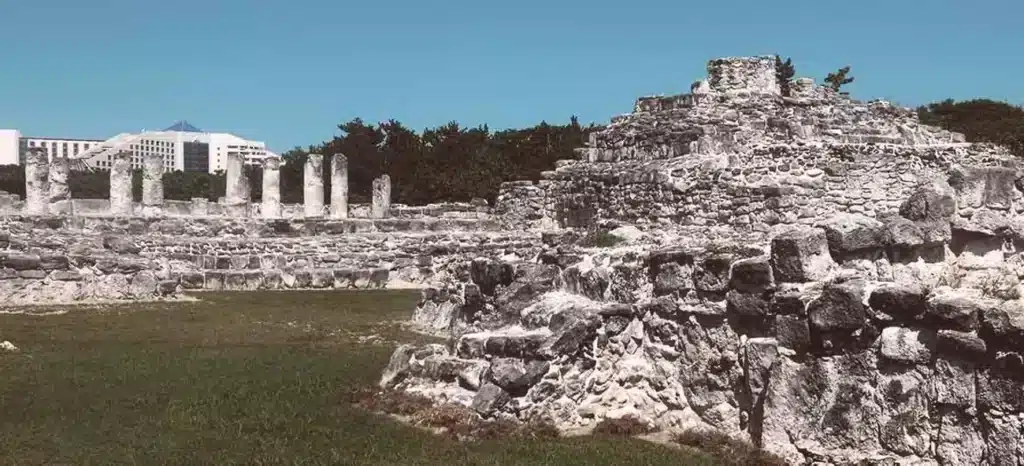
x: 980, y: 120
x: 839, y: 78
x: 784, y: 73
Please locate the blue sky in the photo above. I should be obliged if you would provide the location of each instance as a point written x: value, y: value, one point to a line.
x: 288, y: 72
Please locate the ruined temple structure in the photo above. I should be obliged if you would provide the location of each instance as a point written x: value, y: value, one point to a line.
x: 826, y: 278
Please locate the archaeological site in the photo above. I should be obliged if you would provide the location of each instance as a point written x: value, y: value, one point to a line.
x: 828, y: 279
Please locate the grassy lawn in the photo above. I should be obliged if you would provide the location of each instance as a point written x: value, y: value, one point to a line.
x: 236, y: 378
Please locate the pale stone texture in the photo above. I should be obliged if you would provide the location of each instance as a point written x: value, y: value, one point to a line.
x: 37, y: 175
x: 339, y: 186
x: 313, y: 186
x: 237, y: 189
x: 271, y: 202
x: 60, y: 192
x: 152, y: 184
x: 200, y: 206
x: 804, y: 280
x: 121, y: 184
x: 381, y: 197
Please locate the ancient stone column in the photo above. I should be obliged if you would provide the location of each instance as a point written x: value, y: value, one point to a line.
x: 60, y: 193
x: 339, y: 186
x: 313, y: 190
x: 152, y: 184
x: 271, y: 207
x: 381, y: 197
x: 37, y: 176
x: 236, y: 191
x: 121, y: 184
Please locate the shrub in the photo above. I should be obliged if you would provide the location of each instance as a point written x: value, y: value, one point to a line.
x: 728, y: 450
x: 599, y: 239
x: 628, y: 426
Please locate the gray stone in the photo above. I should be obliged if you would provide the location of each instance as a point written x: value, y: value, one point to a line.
x: 801, y: 254
x: 516, y: 376
x: 313, y: 186
x: 489, y: 399
x: 906, y: 345
x: 840, y: 307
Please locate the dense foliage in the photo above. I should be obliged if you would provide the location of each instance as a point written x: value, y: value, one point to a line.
x: 455, y: 163
x: 981, y: 120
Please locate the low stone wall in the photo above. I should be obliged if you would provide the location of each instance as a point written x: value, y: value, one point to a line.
x: 40, y: 273
x: 239, y: 254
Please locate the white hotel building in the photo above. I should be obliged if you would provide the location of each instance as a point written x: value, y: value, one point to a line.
x: 182, y: 146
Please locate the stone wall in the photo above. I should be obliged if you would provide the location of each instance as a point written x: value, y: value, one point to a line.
x: 96, y: 254
x: 891, y: 343
x: 779, y: 184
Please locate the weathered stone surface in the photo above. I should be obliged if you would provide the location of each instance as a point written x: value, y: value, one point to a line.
x: 313, y: 186
x: 516, y: 376
x: 956, y: 309
x: 270, y: 206
x: 800, y: 255
x: 152, y: 183
x: 752, y: 275
x: 381, y: 191
x: 935, y: 201
x: 906, y: 345
x: 121, y: 184
x: 237, y: 191
x: 489, y: 399
x: 339, y: 186
x: 901, y: 302
x: 854, y: 235
x: 840, y: 307
x: 60, y: 192
x: 37, y: 170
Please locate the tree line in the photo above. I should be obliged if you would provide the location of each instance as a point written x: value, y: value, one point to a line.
x: 446, y: 163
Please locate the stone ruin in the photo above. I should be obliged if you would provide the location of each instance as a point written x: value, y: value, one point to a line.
x: 826, y: 278
x: 59, y: 250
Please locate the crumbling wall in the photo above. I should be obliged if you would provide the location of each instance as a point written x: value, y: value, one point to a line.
x: 836, y: 344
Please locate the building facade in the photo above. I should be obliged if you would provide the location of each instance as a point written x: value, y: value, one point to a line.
x: 182, y: 147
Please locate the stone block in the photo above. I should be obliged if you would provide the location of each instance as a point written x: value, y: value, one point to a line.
x: 840, y: 307
x: 854, y: 236
x: 800, y: 254
x: 752, y: 275
x: 912, y: 346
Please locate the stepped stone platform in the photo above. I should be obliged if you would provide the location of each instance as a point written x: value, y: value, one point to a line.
x: 826, y: 278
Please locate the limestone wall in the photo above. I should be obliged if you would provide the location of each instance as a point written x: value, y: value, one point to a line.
x: 776, y: 184
x: 95, y: 256
x: 844, y: 344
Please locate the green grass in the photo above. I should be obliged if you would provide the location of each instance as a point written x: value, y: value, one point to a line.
x: 237, y: 378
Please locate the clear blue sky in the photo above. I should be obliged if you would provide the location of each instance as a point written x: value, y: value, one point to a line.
x: 288, y: 72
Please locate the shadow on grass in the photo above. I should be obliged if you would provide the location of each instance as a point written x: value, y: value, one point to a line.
x: 237, y: 378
